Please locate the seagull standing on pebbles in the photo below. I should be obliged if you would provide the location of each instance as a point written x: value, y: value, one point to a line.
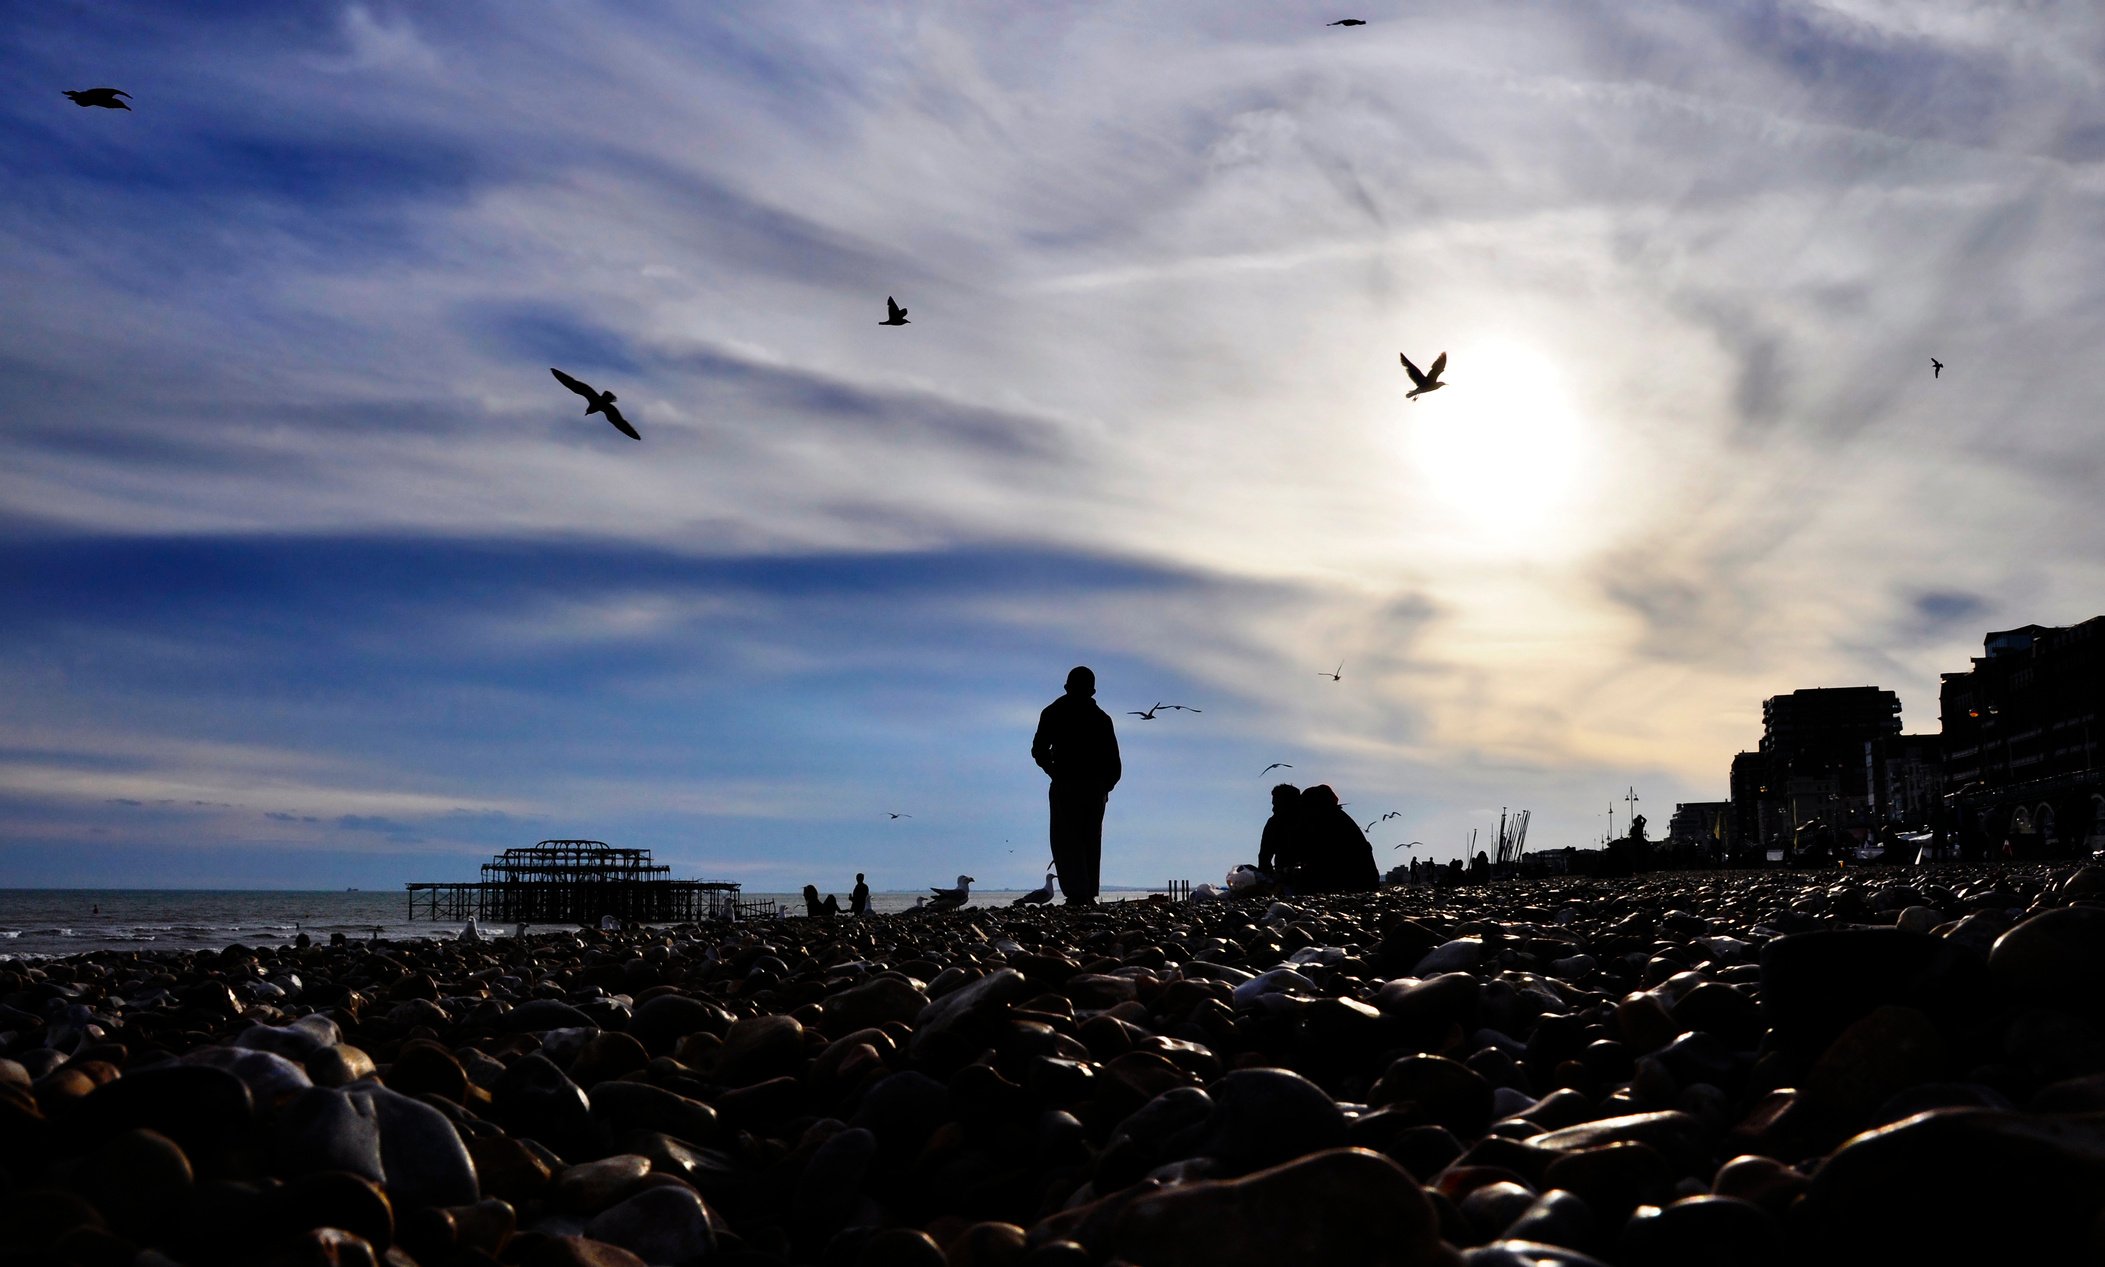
x: 950, y: 899
x: 1038, y: 897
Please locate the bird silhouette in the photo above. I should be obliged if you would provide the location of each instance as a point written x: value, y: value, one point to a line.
x: 1423, y: 382
x: 1276, y: 765
x: 1182, y: 708
x: 104, y: 97
x: 1337, y: 675
x: 950, y: 899
x: 889, y: 813
x: 894, y: 314
x: 1408, y: 844
x: 1936, y: 367
x: 597, y: 402
x: 1347, y: 22
x: 1038, y: 897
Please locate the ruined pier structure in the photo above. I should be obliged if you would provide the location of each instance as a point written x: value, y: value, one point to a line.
x: 575, y: 882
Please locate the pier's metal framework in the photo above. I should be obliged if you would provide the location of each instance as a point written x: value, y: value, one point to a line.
x: 576, y: 882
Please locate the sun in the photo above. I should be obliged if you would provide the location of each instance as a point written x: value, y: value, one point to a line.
x: 1500, y: 450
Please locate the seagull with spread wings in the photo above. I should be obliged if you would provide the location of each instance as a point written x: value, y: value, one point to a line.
x: 1421, y: 381
x: 1276, y: 765
x: 1347, y: 22
x: 894, y: 314
x: 1335, y: 675
x: 1936, y: 368
x: 104, y: 97
x: 597, y: 402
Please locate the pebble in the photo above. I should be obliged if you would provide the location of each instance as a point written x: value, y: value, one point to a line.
x: 1777, y: 1066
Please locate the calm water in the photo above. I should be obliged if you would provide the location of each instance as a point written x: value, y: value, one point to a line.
x: 73, y: 921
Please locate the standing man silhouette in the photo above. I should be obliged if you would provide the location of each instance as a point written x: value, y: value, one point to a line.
x: 1076, y: 746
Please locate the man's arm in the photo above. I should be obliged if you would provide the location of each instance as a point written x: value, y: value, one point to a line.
x: 1041, y: 743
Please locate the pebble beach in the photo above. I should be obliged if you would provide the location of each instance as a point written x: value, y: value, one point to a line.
x: 1896, y: 1065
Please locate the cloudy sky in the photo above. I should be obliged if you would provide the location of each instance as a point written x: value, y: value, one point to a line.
x: 310, y: 575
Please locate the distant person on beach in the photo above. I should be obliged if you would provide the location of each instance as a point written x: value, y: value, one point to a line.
x: 1279, y: 852
x: 814, y: 907
x: 1077, y: 748
x: 859, y: 900
x: 1338, y: 857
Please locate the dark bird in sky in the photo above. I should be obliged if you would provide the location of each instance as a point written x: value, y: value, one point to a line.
x: 1347, y: 22
x: 104, y: 97
x: 1336, y: 675
x: 950, y: 899
x: 1150, y: 714
x: 894, y: 314
x: 1423, y: 382
x: 598, y: 402
x: 1037, y: 897
x: 1408, y: 844
x: 899, y: 815
x: 1276, y: 765
x: 1936, y: 367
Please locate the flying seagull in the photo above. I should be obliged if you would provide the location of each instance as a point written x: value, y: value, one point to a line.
x: 1936, y: 367
x: 1408, y: 844
x: 1337, y: 675
x: 894, y: 314
x: 1421, y: 382
x: 950, y: 899
x: 1182, y: 708
x: 598, y: 402
x: 1276, y: 765
x: 104, y: 97
x: 1347, y: 22
x: 1037, y: 897
x: 899, y: 815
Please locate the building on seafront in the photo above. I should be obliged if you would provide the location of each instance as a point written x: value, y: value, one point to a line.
x: 2022, y: 742
x: 1701, y: 824
x: 1811, y: 764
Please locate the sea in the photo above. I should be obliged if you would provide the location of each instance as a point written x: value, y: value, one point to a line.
x: 40, y: 923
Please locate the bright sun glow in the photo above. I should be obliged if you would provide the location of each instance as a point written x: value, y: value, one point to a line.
x: 1500, y: 449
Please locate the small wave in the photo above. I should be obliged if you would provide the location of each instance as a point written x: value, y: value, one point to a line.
x: 10, y: 933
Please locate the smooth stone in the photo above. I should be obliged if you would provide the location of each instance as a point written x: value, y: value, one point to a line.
x: 1344, y: 1205
x: 664, y: 1224
x: 421, y: 1155
x: 339, y: 1065
x: 1878, y: 1056
x: 539, y: 1249
x: 1491, y: 1208
x: 296, y: 1041
x: 1814, y: 984
x: 270, y: 1078
x: 829, y: 1191
x: 986, y: 1244
x: 902, y: 1110
x: 1614, y: 1178
x: 1262, y: 1117
x: 757, y: 1048
x: 1458, y: 955
x: 332, y: 1198
x: 606, y: 1055
x: 873, y: 1003
x: 1676, y: 1135
x: 423, y: 1067
x: 2053, y: 957
x: 591, y: 1186
x: 901, y: 1247
x: 1284, y: 981
x: 1918, y: 919
x: 1450, y: 998
x: 327, y: 1129
x: 538, y: 1016
x: 1765, y: 1181
x: 626, y: 1105
x: 945, y: 1021
x: 1724, y: 1231
x: 1437, y: 1090
x: 1520, y: 1253
x: 662, y: 1021
x: 32, y: 1218
x: 1557, y: 1217
x: 201, y: 1108
x: 1959, y: 1185
x: 535, y: 1099
x: 507, y: 1169
x: 140, y: 1180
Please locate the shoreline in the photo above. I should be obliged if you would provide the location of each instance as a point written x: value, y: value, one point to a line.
x: 1807, y: 1066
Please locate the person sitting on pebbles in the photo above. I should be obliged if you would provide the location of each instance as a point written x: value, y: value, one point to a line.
x: 1338, y: 857
x: 814, y: 907
x: 1279, y: 850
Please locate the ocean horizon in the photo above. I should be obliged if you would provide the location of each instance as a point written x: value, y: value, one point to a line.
x: 43, y: 923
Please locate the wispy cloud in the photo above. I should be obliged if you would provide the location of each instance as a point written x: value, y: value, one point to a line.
x: 298, y: 524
